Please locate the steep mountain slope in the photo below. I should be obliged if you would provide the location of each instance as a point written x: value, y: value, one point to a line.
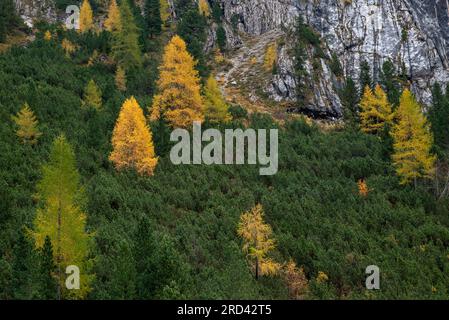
x: 244, y: 78
x: 335, y: 206
x: 36, y: 9
x: 319, y: 219
x: 411, y: 33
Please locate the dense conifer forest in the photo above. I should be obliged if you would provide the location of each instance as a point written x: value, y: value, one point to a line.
x: 85, y: 139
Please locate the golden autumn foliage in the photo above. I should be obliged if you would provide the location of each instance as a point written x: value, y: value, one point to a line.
x: 68, y: 47
x: 270, y: 57
x: 413, y: 141
x: 61, y: 218
x: 322, y: 277
x: 178, y: 99
x: 132, y: 141
x: 125, y: 47
x: 204, y: 8
x: 376, y: 111
x: 27, y: 124
x: 120, y: 79
x: 92, y: 96
x: 93, y: 58
x: 296, y: 281
x: 218, y: 56
x: 363, y: 188
x: 165, y: 13
x: 86, y: 17
x: 47, y: 35
x: 113, y: 22
x: 216, y: 109
x: 257, y: 241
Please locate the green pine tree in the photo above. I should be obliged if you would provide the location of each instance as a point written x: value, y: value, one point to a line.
x: 23, y: 268
x: 192, y: 29
x: 439, y: 118
x: 161, y: 136
x: 125, y: 44
x: 2, y: 27
x: 390, y: 83
x: 116, y: 254
x: 158, y: 264
x: 47, y: 269
x: 335, y: 65
x: 6, y: 288
x: 8, y: 18
x: 350, y: 102
x: 300, y: 61
x: 140, y: 22
x: 153, y: 21
x: 221, y: 38
x: 365, y: 77
x: 217, y: 13
x: 144, y: 249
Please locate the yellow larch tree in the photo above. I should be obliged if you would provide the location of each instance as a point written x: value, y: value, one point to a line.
x: 92, y: 96
x: 47, y: 35
x: 363, y: 188
x: 258, y: 241
x: 412, y: 141
x: 216, y: 108
x: 204, y: 8
x: 179, y: 99
x: 86, y: 17
x: 120, y: 78
x: 113, y: 22
x: 270, y: 57
x: 93, y: 58
x: 27, y: 123
x: 218, y: 56
x: 165, y: 11
x: 68, y: 47
x: 132, y: 140
x: 376, y: 111
x: 322, y: 277
x: 296, y: 281
x: 61, y: 217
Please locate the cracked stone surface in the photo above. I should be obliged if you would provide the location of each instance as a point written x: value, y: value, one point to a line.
x: 355, y: 30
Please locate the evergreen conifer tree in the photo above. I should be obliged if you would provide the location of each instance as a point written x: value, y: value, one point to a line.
x: 413, y: 141
x: 153, y: 20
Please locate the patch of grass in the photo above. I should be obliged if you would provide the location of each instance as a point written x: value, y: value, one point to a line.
x: 16, y: 39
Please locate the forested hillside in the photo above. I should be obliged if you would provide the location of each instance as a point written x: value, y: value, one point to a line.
x: 86, y: 177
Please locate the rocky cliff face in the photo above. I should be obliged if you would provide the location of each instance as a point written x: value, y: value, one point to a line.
x: 372, y: 30
x: 30, y: 10
x: 355, y: 30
